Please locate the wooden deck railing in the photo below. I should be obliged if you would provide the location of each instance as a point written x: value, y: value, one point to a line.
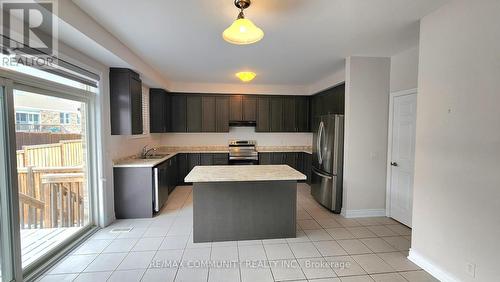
x: 51, y: 197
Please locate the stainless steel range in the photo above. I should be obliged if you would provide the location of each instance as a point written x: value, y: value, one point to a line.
x: 243, y: 152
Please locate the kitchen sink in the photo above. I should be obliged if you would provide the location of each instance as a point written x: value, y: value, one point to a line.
x: 154, y: 157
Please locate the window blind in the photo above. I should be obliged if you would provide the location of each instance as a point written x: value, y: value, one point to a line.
x: 61, y: 67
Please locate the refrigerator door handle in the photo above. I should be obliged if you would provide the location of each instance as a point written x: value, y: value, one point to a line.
x: 336, y: 145
x: 318, y: 142
x: 322, y: 174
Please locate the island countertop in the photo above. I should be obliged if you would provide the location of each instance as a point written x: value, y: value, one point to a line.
x: 243, y: 173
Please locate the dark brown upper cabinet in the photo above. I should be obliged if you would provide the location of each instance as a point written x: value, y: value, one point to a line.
x: 209, y: 115
x: 249, y: 108
x: 289, y: 114
x: 193, y: 112
x: 329, y: 101
x: 194, y: 117
x: 235, y: 108
x: 125, y: 102
x: 178, y: 113
x: 159, y: 108
x: 263, y: 122
x: 276, y: 114
x: 242, y: 108
x: 222, y: 114
x: 302, y: 114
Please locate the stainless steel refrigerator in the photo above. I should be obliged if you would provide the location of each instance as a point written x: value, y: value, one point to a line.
x: 327, y: 161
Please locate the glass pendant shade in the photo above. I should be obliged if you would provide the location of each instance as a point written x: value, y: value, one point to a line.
x: 246, y: 76
x: 243, y: 31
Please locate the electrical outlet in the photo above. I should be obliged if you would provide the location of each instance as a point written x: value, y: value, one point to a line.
x: 471, y: 269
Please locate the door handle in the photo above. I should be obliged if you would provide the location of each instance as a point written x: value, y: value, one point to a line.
x: 321, y: 174
x: 156, y: 187
x: 318, y: 143
x: 394, y: 163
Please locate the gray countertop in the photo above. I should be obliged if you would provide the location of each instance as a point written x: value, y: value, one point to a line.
x: 169, y: 152
x: 239, y: 173
x: 138, y: 162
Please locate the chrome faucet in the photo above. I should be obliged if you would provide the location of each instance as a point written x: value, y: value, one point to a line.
x: 146, y: 152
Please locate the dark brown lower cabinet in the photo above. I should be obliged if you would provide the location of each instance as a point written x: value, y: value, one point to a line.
x: 193, y: 160
x: 307, y: 170
x: 182, y: 167
x: 206, y: 159
x: 221, y: 159
x: 265, y: 158
x: 133, y: 199
x: 187, y: 161
x: 291, y: 159
x: 298, y: 160
x: 172, y: 174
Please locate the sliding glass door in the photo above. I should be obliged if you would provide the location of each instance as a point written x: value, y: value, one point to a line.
x: 52, y: 171
x: 46, y: 198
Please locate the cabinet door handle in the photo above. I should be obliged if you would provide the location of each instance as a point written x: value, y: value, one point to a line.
x: 156, y: 187
x: 394, y: 163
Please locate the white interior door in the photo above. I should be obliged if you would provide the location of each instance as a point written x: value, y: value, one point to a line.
x: 403, y: 157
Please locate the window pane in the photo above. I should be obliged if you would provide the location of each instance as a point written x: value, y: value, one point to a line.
x: 52, y: 173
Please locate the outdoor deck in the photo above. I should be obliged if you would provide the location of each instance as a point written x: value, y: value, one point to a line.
x: 37, y: 242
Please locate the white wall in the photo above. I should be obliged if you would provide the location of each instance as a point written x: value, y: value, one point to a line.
x: 245, y: 133
x: 366, y: 122
x: 456, y: 214
x: 404, y: 70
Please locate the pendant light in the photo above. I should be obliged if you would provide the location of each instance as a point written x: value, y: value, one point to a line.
x: 245, y: 76
x: 243, y: 31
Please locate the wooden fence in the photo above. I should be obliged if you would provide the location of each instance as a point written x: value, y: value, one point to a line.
x: 62, y: 154
x: 40, y: 138
x: 51, y: 197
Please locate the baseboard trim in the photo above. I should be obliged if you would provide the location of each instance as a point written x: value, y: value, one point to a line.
x: 430, y: 267
x: 363, y: 213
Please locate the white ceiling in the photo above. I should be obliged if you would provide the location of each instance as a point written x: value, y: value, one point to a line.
x: 305, y: 40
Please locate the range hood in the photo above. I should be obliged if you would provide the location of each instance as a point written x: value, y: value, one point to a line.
x: 242, y: 123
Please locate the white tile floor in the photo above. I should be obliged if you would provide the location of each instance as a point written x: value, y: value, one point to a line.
x: 328, y: 248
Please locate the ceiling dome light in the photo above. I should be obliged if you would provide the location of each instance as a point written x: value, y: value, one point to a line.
x: 242, y: 31
x: 246, y: 76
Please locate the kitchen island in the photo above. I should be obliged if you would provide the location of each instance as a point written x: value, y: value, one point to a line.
x: 244, y: 202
